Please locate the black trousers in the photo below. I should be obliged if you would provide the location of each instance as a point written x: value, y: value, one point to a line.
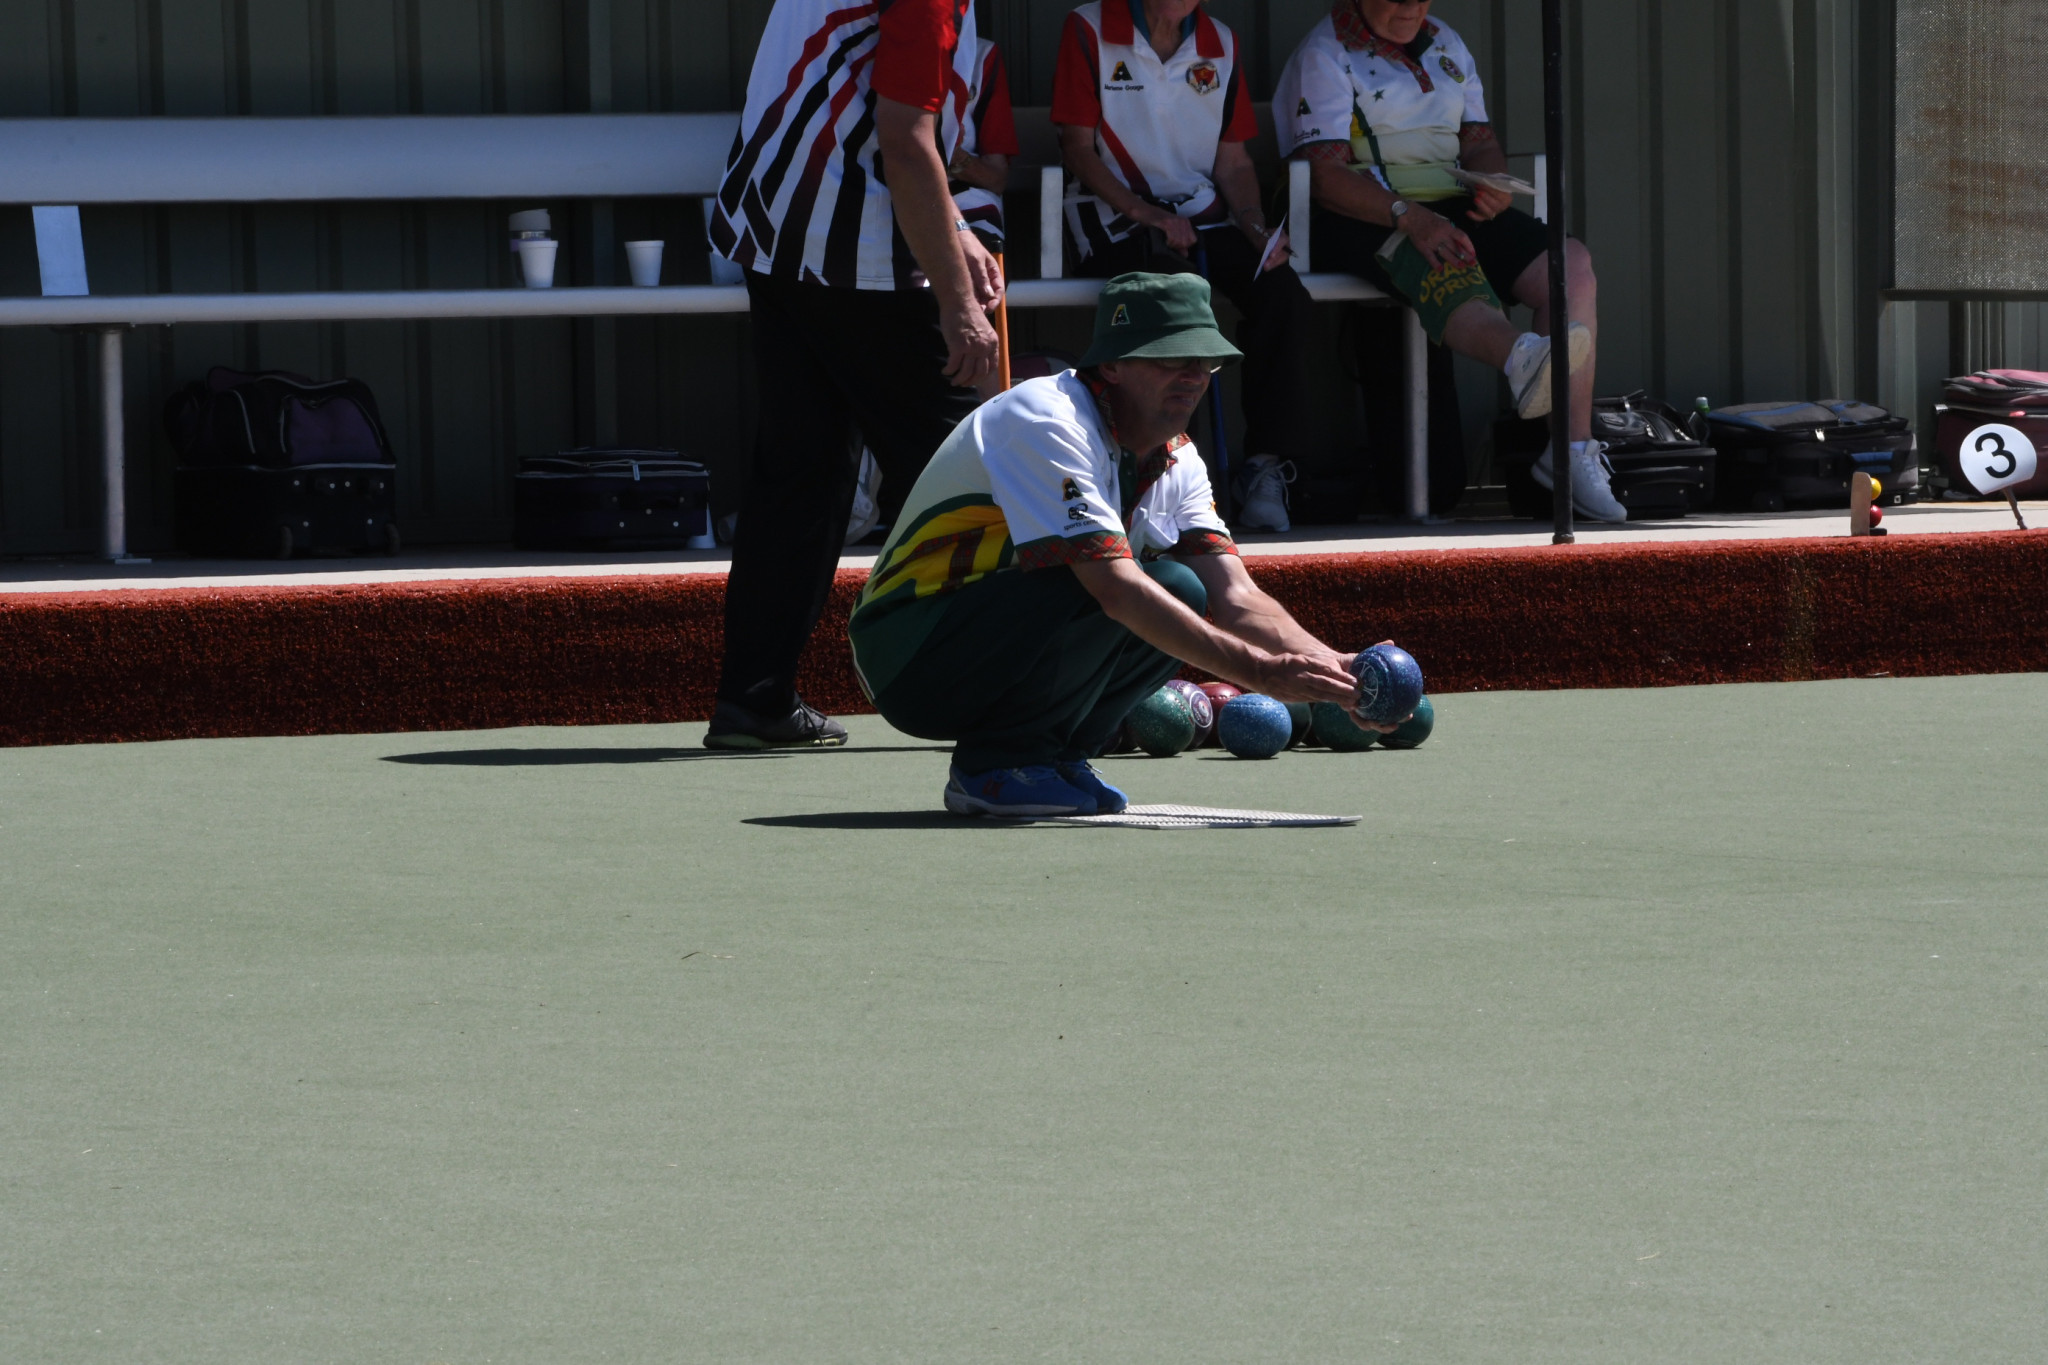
x: 1025, y: 668
x: 835, y: 367
x: 1274, y: 335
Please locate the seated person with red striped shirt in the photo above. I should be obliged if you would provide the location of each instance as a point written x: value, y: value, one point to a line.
x: 980, y: 167
x: 1153, y: 114
x: 1056, y: 560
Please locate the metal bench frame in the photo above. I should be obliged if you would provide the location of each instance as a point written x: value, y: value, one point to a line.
x: 503, y: 157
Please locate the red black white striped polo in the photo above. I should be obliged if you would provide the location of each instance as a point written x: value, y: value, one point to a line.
x: 803, y: 196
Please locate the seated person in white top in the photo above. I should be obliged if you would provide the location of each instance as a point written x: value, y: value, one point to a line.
x: 1385, y: 102
x: 1153, y: 114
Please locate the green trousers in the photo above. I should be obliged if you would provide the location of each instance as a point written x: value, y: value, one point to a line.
x: 1024, y: 668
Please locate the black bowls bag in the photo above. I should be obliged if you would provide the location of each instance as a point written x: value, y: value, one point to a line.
x: 1802, y: 454
x: 602, y: 499
x: 274, y: 463
x: 1662, y: 470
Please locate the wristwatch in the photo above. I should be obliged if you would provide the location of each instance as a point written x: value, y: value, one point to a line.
x: 1396, y: 210
x: 960, y: 225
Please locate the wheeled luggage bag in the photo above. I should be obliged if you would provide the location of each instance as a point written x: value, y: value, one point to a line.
x: 1803, y: 454
x: 1971, y: 406
x: 276, y: 464
x: 600, y: 499
x: 1662, y: 470
x: 247, y: 510
x: 275, y: 419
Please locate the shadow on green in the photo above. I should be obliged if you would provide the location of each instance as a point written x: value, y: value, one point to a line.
x: 550, y: 758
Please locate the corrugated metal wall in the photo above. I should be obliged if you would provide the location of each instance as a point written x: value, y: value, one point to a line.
x: 1735, y: 190
x: 462, y: 399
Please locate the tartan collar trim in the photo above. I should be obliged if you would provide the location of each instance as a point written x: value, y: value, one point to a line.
x: 1152, y: 468
x: 1357, y: 35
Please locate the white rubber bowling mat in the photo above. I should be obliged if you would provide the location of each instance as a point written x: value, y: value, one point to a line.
x: 1205, y: 817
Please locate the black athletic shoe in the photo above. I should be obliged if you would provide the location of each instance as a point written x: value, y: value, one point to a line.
x: 735, y: 727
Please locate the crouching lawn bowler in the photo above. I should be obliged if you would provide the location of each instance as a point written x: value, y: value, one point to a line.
x: 1056, y: 560
x: 869, y: 299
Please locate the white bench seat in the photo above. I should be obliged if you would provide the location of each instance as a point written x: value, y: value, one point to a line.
x: 500, y: 157
x: 157, y: 310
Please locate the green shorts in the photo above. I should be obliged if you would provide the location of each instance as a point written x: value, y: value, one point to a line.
x: 1506, y: 246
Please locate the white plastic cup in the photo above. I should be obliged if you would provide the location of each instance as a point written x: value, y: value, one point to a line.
x: 537, y: 264
x: 643, y: 259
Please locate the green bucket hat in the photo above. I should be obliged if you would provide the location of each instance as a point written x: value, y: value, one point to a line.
x: 1156, y: 317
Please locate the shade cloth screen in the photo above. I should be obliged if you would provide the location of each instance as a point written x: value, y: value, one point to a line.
x: 1971, y: 145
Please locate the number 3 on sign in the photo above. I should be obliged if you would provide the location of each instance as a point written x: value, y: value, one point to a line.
x: 1996, y: 456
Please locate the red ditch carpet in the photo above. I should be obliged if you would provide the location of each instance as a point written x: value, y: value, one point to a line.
x: 181, y: 663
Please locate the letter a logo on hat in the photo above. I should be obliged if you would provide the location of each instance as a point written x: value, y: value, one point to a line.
x: 1121, y: 317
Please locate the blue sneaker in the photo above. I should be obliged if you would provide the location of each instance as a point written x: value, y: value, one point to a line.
x: 1034, y: 791
x: 1081, y: 777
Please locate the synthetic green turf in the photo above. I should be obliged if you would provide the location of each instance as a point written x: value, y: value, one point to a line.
x: 1680, y: 1025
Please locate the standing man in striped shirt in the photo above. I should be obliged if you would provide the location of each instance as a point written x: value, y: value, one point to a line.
x: 870, y: 301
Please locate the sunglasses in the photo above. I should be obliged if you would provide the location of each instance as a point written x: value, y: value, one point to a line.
x: 1188, y: 365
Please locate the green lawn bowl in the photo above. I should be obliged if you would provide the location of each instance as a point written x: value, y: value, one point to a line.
x: 1335, y: 729
x: 1161, y: 724
x: 1413, y: 730
x: 1303, y: 717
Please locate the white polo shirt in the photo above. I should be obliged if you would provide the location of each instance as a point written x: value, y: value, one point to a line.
x: 1345, y: 81
x: 1157, y: 123
x: 1033, y: 479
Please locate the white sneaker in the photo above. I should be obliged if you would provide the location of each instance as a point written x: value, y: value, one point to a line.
x: 1528, y: 369
x: 1592, y: 482
x: 1262, y: 494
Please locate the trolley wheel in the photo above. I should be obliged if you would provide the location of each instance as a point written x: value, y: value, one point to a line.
x: 286, y: 542
x: 391, y: 540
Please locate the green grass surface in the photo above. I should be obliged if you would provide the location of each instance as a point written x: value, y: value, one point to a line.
x: 1686, y: 1025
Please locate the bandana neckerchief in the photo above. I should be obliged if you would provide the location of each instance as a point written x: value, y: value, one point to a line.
x: 1356, y: 35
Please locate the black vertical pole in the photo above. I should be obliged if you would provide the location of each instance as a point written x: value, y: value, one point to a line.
x: 1560, y: 312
